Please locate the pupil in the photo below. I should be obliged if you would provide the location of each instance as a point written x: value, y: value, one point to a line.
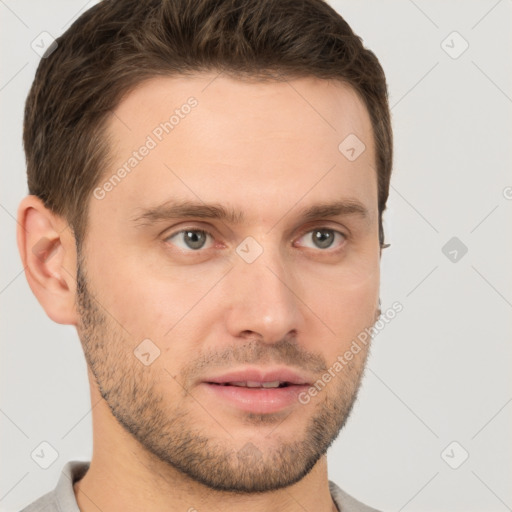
x: 195, y: 239
x: 323, y: 239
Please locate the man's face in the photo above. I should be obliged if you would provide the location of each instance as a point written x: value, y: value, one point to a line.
x: 183, y: 311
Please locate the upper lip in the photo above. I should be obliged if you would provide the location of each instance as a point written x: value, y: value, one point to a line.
x: 252, y: 374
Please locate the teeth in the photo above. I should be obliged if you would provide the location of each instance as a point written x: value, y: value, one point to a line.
x: 274, y: 384
x: 254, y: 384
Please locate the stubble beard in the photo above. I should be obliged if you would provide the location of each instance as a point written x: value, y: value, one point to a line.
x: 175, y: 438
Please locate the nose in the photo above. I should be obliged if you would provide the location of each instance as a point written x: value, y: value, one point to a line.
x: 263, y: 299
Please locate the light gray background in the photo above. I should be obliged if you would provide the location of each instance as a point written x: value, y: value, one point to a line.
x: 439, y: 372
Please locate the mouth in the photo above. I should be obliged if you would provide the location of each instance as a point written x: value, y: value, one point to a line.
x: 254, y: 384
x: 257, y: 390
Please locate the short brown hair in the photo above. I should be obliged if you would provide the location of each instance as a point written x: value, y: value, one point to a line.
x: 117, y: 44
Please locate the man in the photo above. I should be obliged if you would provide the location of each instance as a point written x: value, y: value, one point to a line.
x: 207, y: 181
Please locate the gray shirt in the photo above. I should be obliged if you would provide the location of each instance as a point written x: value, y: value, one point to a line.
x: 62, y: 498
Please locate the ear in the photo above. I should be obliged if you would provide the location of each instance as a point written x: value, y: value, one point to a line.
x: 47, y: 247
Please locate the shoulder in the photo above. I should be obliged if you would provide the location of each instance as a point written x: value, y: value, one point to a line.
x: 347, y: 503
x: 62, y: 498
x: 46, y: 503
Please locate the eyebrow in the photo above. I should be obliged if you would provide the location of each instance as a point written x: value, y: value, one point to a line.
x: 189, y: 209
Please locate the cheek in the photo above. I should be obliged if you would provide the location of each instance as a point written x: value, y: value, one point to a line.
x: 346, y: 306
x: 161, y: 306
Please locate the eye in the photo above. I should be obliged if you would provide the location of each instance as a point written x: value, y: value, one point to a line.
x: 322, y: 238
x: 186, y: 239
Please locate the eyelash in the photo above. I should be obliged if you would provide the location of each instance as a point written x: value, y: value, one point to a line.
x: 321, y: 228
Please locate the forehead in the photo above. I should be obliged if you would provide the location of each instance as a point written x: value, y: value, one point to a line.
x: 214, y: 138
x: 308, y: 103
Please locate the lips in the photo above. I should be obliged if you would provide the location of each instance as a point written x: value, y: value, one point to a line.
x: 255, y: 377
x: 255, y: 384
x: 257, y: 390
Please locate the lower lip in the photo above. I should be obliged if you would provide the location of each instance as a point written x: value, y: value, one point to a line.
x: 256, y: 400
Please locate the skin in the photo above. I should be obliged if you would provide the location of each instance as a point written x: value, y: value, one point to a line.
x: 160, y: 440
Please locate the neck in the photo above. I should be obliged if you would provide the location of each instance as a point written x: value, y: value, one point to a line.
x: 123, y: 476
x: 108, y: 486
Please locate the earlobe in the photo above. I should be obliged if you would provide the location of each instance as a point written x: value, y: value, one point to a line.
x: 47, y: 249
